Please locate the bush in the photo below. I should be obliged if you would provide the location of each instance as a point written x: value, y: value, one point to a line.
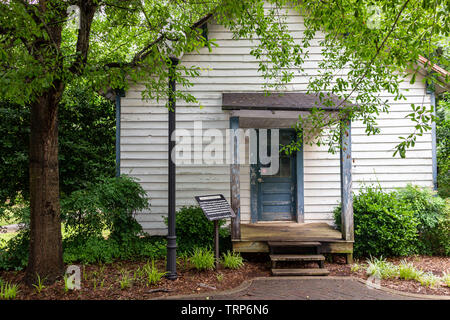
x: 194, y: 230
x: 14, y: 256
x: 384, y: 224
x: 109, y: 204
x: 433, y: 218
x: 101, y: 250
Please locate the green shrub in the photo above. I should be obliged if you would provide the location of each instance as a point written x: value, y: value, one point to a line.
x: 91, y: 250
x: 99, y: 249
x: 430, y: 211
x: 109, y: 204
x: 194, y: 230
x: 384, y: 224
x: 14, y: 256
x: 232, y: 260
x: 202, y: 259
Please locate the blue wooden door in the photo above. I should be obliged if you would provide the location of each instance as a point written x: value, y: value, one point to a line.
x: 276, y: 192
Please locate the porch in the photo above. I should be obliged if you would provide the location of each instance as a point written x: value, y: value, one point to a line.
x: 255, y: 237
x: 255, y: 110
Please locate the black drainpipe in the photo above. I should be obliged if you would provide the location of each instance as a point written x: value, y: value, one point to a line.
x: 171, y: 266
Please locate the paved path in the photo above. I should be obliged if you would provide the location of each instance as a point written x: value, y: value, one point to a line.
x: 317, y: 288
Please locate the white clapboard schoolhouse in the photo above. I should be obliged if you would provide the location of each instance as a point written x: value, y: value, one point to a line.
x: 296, y: 203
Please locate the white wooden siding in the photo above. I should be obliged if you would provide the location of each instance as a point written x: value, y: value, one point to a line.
x: 228, y: 68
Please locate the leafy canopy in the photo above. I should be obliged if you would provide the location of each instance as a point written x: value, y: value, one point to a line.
x: 368, y: 46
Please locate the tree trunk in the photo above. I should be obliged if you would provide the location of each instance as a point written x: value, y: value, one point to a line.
x: 45, y: 258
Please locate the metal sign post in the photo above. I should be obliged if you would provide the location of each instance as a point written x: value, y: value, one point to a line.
x: 215, y: 207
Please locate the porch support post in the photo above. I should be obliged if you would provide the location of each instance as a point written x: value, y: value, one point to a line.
x: 234, y: 179
x: 346, y: 181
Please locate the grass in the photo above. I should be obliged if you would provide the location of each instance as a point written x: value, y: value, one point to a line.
x: 153, y: 276
x: 232, y: 260
x: 202, y: 259
x: 8, y: 291
x: 126, y: 281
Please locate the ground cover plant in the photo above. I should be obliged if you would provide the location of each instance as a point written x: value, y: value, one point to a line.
x: 136, y: 280
x: 232, y: 260
x: 202, y: 259
x: 383, y: 269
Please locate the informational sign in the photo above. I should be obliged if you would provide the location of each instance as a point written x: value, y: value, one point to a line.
x: 215, y: 207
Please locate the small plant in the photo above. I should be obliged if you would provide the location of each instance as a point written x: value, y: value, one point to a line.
x: 94, y: 283
x: 407, y: 271
x: 153, y: 275
x: 184, y: 259
x: 232, y: 260
x: 219, y: 277
x: 446, y: 279
x: 8, y: 291
x: 66, y: 283
x: 355, y: 267
x: 39, y: 286
x: 381, y: 268
x: 126, y: 281
x: 85, y: 275
x: 428, y: 279
x: 202, y: 259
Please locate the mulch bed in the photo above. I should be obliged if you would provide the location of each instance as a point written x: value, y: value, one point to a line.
x: 190, y: 281
x: 437, y: 265
x: 101, y: 282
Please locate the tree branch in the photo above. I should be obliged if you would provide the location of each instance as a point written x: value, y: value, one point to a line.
x: 87, y: 11
x: 377, y: 53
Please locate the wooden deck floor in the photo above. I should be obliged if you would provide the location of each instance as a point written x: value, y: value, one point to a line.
x: 289, y: 232
x: 255, y: 237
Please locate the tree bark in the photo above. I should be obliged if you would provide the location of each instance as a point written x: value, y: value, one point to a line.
x: 45, y: 258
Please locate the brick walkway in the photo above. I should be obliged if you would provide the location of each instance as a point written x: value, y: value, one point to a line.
x: 323, y: 288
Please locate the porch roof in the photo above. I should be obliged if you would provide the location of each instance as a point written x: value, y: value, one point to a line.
x: 288, y: 101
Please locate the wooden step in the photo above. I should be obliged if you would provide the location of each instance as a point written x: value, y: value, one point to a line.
x: 297, y: 257
x: 303, y: 244
x: 300, y: 272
